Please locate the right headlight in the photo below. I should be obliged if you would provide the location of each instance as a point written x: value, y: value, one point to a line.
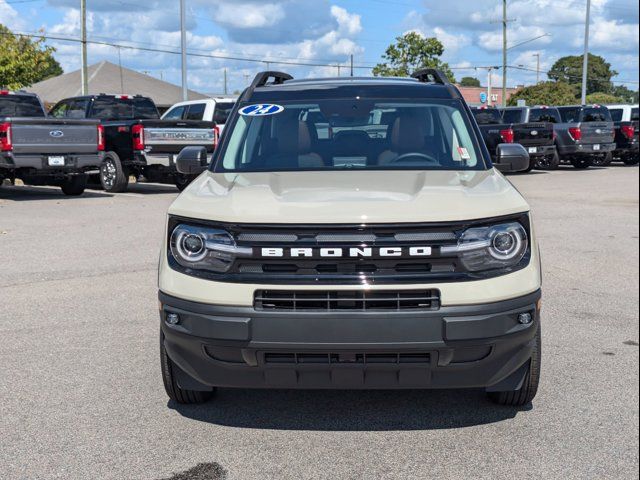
x: 491, y: 247
x: 203, y: 248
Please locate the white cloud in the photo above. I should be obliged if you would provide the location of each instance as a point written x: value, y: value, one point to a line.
x: 10, y: 18
x: 348, y: 23
x: 256, y: 16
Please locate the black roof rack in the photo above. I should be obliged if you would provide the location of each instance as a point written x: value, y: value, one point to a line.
x: 431, y: 75
x: 262, y: 79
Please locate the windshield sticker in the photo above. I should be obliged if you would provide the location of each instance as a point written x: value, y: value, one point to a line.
x: 464, y: 153
x: 260, y: 110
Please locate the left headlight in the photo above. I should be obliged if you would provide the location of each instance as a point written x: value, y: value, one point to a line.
x: 203, y: 248
x: 491, y: 247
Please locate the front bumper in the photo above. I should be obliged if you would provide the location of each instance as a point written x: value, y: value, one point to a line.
x: 586, y: 149
x: 471, y: 346
x: 73, y: 163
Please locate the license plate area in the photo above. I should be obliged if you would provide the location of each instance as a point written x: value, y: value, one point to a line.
x: 57, y: 161
x: 596, y: 148
x: 533, y: 149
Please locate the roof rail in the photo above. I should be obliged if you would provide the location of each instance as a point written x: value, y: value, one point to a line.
x: 431, y: 75
x: 262, y: 79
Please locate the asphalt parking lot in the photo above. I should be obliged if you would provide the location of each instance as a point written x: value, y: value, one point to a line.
x: 81, y: 394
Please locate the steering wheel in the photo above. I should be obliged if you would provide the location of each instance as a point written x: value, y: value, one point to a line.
x: 417, y: 157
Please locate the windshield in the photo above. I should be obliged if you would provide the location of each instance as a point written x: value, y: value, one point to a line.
x: 340, y: 134
x: 221, y: 114
x: 635, y: 116
x: 616, y: 114
x: 20, y: 106
x: 596, y: 114
x: 487, y: 116
x: 549, y: 115
x: 113, y: 108
x: 511, y: 116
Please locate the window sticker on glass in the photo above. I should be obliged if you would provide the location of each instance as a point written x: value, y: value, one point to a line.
x: 464, y: 153
x: 260, y: 110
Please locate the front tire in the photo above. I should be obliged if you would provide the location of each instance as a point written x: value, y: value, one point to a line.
x: 529, y: 387
x: 74, y: 186
x: 581, y: 163
x: 631, y: 160
x: 113, y: 177
x: 175, y: 393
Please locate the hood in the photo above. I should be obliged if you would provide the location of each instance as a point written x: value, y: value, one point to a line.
x: 348, y: 197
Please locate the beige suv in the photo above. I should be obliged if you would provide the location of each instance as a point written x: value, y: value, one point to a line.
x: 351, y: 233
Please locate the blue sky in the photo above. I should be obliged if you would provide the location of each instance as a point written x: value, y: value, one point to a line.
x: 327, y: 31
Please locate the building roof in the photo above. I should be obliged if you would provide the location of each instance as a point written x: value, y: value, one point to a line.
x: 106, y: 77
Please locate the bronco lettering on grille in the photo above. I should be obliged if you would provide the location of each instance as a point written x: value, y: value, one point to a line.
x: 356, y: 252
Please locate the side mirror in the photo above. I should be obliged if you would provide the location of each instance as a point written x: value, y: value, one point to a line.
x: 512, y: 158
x: 192, y: 161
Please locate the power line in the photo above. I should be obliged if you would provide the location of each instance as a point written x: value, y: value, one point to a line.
x: 191, y: 54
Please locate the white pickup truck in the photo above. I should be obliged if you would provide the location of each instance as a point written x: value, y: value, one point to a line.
x: 215, y: 109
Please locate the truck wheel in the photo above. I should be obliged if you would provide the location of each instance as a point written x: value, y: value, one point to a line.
x: 550, y: 162
x: 530, y: 385
x: 603, y: 161
x: 631, y: 160
x: 113, y: 177
x: 174, y: 392
x: 581, y: 163
x: 182, y: 181
x: 74, y: 186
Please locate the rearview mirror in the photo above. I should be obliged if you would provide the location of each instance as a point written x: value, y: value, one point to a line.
x: 192, y: 161
x: 512, y: 158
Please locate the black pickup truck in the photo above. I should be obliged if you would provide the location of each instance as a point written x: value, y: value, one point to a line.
x: 536, y: 114
x: 626, y: 122
x: 44, y: 151
x: 536, y: 137
x: 138, y: 143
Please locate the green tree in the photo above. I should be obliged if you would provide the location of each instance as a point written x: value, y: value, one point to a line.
x: 469, y: 82
x: 625, y: 94
x: 545, y: 93
x: 412, y: 52
x: 25, y: 61
x: 603, y: 98
x: 569, y: 70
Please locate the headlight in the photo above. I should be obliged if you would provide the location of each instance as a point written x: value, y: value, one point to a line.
x: 203, y: 248
x: 493, y: 247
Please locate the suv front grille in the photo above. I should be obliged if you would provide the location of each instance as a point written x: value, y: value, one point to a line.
x: 339, y: 300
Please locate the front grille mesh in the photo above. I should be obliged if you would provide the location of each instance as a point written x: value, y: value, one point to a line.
x: 345, y: 358
x: 353, y: 300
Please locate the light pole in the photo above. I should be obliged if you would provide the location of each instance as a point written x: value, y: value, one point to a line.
x: 84, y: 70
x: 585, y: 61
x: 504, y: 53
x: 183, y: 46
x: 537, y: 55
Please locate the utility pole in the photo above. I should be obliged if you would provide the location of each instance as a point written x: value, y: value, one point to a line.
x: 339, y: 69
x: 120, y: 65
x: 489, y: 81
x: 83, y: 28
x: 585, y: 62
x: 352, y: 65
x: 504, y: 53
x: 225, y: 81
x: 537, y: 55
x: 183, y: 45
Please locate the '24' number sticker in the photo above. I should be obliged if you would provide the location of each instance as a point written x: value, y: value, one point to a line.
x: 260, y: 110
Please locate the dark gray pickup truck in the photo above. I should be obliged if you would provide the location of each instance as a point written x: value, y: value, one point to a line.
x: 586, y: 135
x: 44, y: 151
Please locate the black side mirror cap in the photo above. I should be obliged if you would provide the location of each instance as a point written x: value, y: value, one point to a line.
x: 512, y: 158
x: 192, y: 161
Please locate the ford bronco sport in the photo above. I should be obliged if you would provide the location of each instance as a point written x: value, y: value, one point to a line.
x: 351, y: 233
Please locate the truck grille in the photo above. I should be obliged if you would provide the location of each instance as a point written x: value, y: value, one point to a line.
x: 350, y: 300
